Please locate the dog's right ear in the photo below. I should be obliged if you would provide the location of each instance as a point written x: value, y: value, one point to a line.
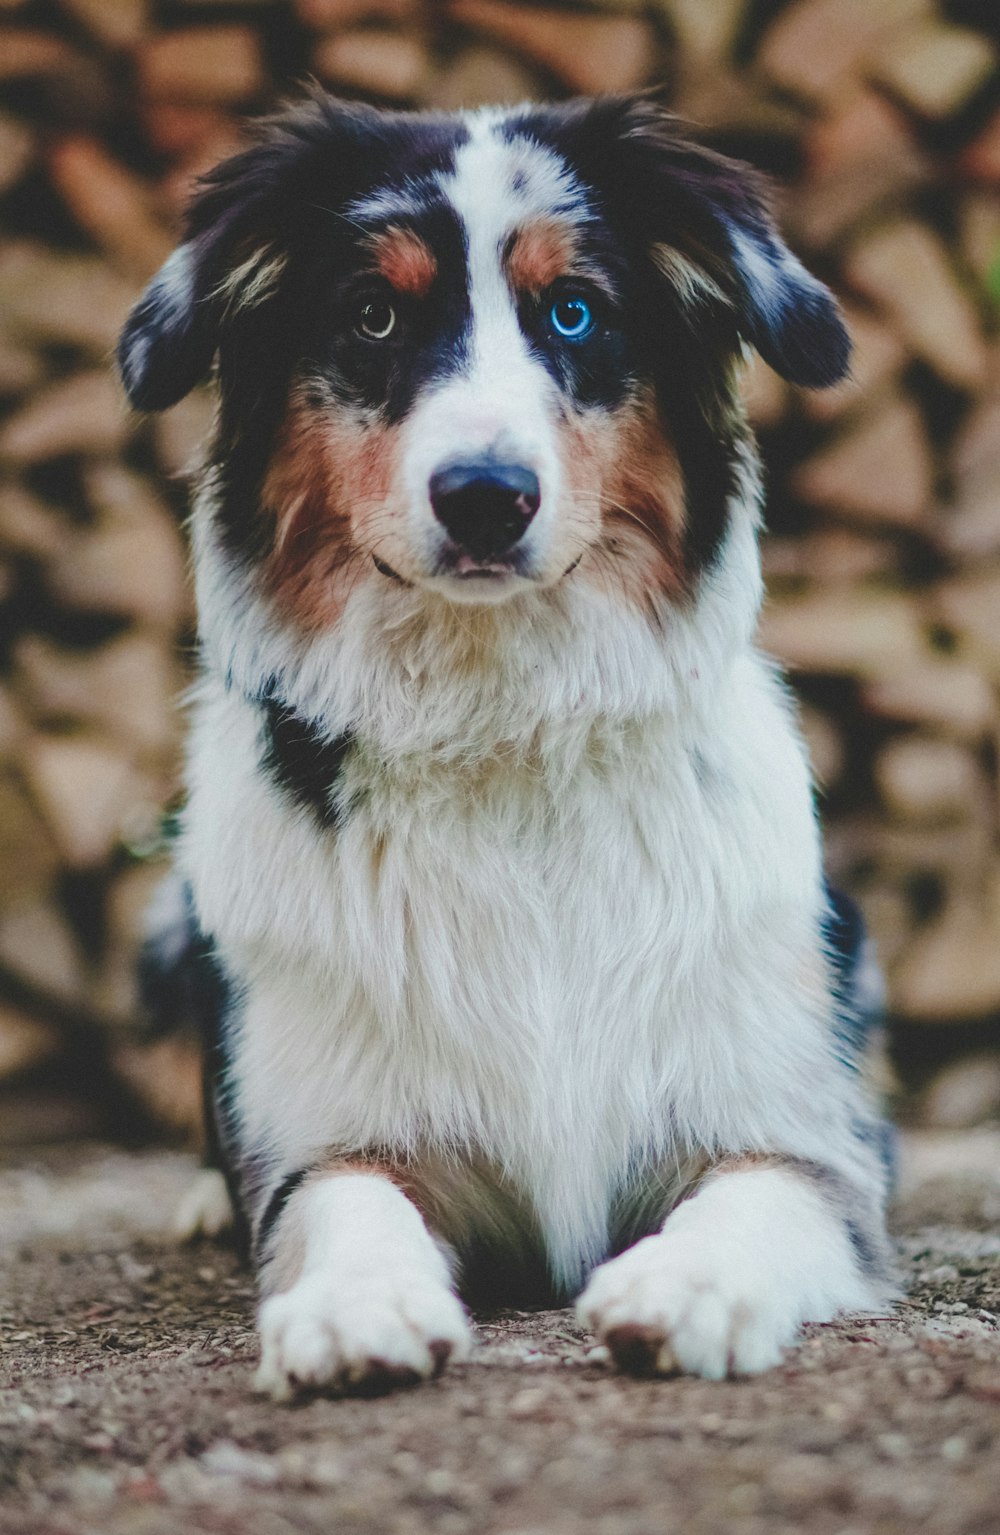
x: 229, y: 261
x: 169, y: 339
x: 243, y: 221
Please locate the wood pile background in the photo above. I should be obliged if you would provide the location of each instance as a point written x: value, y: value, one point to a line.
x: 881, y: 121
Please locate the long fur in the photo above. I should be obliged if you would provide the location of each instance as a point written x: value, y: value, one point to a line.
x: 514, y: 881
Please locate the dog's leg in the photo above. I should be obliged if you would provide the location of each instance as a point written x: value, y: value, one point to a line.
x: 206, y: 1209
x: 736, y: 1269
x: 364, y: 1297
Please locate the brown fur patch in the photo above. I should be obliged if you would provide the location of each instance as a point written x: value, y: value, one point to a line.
x: 539, y: 253
x: 624, y: 469
x: 405, y: 261
x: 327, y: 473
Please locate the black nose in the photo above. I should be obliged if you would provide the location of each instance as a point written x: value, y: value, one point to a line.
x: 485, y: 507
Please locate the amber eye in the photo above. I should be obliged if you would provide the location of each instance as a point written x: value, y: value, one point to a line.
x: 376, y: 319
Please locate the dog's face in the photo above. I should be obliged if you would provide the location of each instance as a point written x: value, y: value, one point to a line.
x: 476, y: 355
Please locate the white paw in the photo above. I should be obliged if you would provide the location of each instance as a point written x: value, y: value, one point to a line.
x: 354, y: 1336
x: 205, y: 1210
x: 671, y: 1303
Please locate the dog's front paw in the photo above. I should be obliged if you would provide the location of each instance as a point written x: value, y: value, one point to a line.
x: 668, y: 1304
x: 349, y: 1336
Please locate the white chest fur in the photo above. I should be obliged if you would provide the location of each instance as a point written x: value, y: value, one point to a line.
x: 571, y: 960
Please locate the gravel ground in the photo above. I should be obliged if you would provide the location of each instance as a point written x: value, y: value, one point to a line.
x: 126, y: 1405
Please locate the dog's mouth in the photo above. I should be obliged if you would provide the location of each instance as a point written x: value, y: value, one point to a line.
x: 466, y: 568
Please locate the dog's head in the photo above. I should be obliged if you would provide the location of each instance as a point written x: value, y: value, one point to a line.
x: 476, y: 354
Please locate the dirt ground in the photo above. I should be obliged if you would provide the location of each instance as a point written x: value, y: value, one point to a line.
x: 126, y: 1406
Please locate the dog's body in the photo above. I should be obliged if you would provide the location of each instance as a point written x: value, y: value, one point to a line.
x: 500, y: 834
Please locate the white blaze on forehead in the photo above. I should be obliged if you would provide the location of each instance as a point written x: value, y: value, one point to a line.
x: 496, y: 186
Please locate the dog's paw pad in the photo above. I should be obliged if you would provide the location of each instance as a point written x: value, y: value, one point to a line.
x: 363, y: 1340
x: 640, y: 1350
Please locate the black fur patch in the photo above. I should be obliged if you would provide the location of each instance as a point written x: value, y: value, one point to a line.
x: 304, y: 763
x: 275, y: 1207
x: 184, y: 985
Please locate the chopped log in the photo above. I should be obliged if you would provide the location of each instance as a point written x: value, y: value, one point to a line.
x: 28, y: 526
x: 12, y: 726
x: 977, y: 447
x: 964, y: 1094
x: 326, y: 15
x: 589, y: 52
x: 934, y: 68
x: 25, y: 1042
x: 24, y: 52
x: 970, y: 605
x: 880, y: 469
x: 858, y: 128
x: 182, y: 433
x: 952, y: 969
x: 765, y: 393
x: 705, y: 33
x: 942, y: 694
x: 214, y: 64
x: 64, y: 299
x: 115, y: 990
x: 166, y: 1078
x: 127, y: 688
x: 969, y: 527
x: 904, y: 269
x: 177, y: 188
x: 22, y: 368
x: 181, y: 129
x: 130, y: 563
x: 956, y: 854
x: 116, y: 23
x: 82, y: 413
x: 866, y: 632
x: 84, y: 789
x: 830, y: 211
x: 111, y: 204
x: 825, y: 744
x: 381, y: 62
x: 37, y: 946
x: 814, y: 45
x: 831, y: 557
x: 981, y: 158
x: 921, y: 779
x: 29, y: 858
x: 479, y: 77
x: 17, y: 150
x: 888, y: 918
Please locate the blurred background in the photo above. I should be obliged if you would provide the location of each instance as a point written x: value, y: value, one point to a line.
x: 880, y: 122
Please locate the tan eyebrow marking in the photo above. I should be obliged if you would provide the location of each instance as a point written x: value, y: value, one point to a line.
x: 540, y: 252
x: 405, y: 260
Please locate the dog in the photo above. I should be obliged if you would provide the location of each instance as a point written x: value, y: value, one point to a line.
x: 502, y: 902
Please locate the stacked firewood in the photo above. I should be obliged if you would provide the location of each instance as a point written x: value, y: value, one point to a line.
x: 879, y: 119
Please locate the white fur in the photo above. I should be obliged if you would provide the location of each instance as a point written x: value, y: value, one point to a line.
x: 206, y: 1209
x: 373, y: 1298
x: 725, y: 1286
x: 569, y: 926
x: 539, y: 932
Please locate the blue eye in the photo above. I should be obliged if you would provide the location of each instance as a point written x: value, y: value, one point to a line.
x: 571, y: 318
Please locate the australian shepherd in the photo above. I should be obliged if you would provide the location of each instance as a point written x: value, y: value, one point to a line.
x: 504, y: 911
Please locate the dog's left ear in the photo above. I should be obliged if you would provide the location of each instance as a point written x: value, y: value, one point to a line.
x: 708, y: 227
